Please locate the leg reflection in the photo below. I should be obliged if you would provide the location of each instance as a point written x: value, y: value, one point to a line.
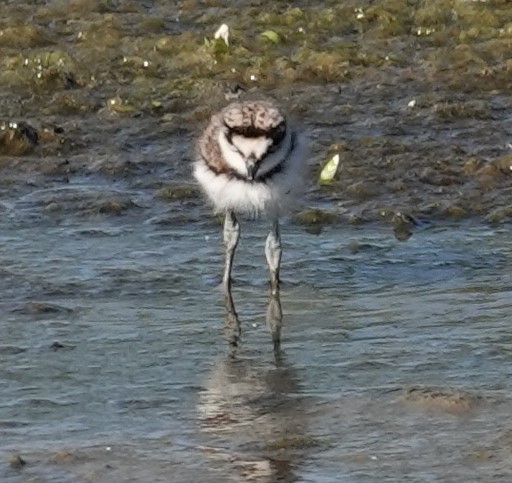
x: 253, y: 420
x: 274, y: 319
x: 233, y: 327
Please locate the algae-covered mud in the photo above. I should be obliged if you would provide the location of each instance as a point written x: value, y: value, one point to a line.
x: 414, y: 96
x: 115, y: 361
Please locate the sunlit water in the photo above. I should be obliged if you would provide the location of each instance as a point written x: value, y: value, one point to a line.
x: 146, y: 389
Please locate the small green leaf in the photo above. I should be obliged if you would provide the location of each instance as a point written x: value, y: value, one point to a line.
x: 216, y: 47
x: 124, y: 108
x: 272, y: 36
x: 168, y: 117
x: 156, y: 104
x: 329, y: 170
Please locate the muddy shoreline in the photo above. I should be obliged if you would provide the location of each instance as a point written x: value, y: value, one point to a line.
x: 413, y: 98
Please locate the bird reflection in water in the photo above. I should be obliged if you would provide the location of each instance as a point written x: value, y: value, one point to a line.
x: 251, y: 413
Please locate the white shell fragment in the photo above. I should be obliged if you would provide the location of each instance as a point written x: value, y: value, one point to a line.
x: 222, y: 33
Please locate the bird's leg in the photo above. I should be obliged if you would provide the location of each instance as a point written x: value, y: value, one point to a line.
x: 233, y: 327
x: 274, y: 319
x: 231, y: 237
x: 273, y: 253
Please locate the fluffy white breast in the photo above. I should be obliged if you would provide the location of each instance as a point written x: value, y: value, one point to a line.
x: 274, y: 197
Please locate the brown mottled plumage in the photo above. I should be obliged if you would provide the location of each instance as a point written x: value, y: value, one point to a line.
x: 209, y: 147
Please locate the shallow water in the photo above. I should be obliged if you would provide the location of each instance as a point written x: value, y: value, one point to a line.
x: 393, y: 364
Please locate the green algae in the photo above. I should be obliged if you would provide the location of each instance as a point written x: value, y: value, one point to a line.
x: 500, y: 215
x: 292, y: 443
x: 462, y: 110
x: 119, y: 105
x: 316, y: 217
x: 153, y: 24
x: 282, y: 44
x: 503, y: 164
x: 178, y: 192
x: 23, y: 36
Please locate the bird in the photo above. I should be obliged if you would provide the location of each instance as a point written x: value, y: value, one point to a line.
x: 251, y: 161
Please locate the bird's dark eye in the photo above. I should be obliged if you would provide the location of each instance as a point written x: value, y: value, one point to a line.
x: 277, y: 134
x: 272, y: 148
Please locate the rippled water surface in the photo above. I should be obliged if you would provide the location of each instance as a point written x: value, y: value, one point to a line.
x: 395, y: 360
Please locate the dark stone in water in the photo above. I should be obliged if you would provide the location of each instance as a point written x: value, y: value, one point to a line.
x: 402, y: 234
x: 449, y: 400
x: 402, y: 225
x: 16, y: 461
x: 18, y: 139
x: 42, y: 308
x: 56, y: 346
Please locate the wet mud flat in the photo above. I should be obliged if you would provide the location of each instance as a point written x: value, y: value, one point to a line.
x: 102, y: 227
x: 412, y: 95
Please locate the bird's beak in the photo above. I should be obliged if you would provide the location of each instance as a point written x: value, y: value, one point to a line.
x: 252, y: 167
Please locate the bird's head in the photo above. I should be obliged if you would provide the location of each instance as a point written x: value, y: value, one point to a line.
x: 251, y: 133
